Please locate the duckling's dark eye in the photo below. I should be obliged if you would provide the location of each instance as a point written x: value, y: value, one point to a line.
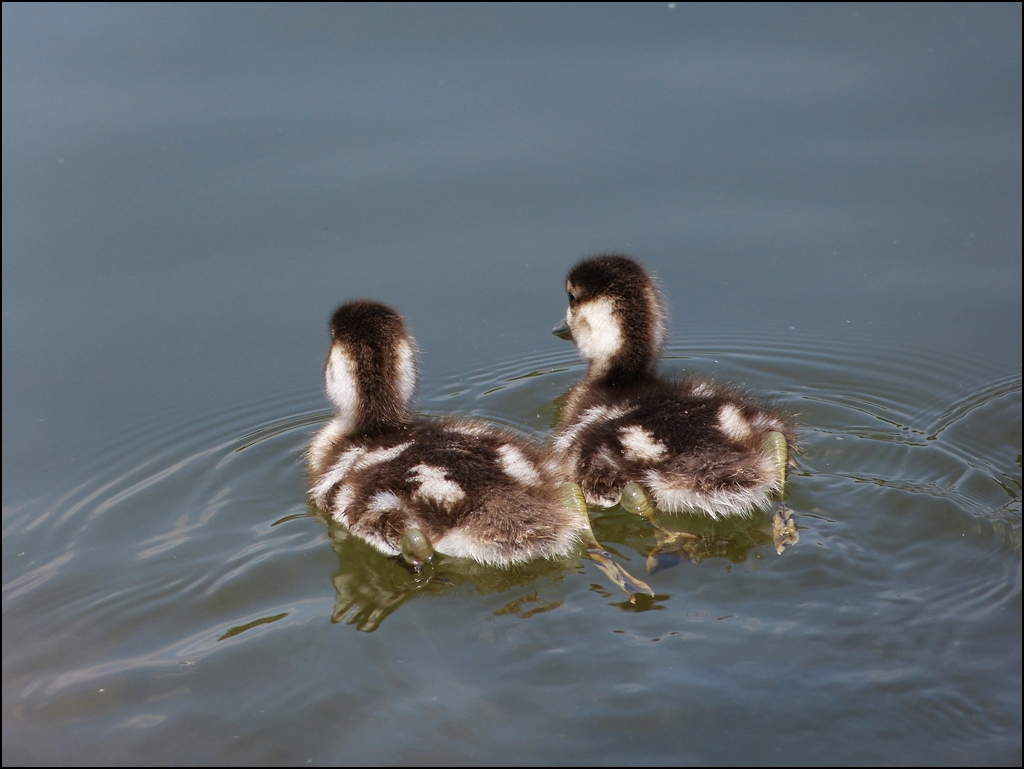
x: 572, y: 297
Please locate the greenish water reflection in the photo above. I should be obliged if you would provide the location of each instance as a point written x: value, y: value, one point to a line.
x: 250, y: 625
x: 371, y: 586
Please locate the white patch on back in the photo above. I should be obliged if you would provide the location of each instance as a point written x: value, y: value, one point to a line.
x: 352, y: 461
x: 383, y: 501
x: 564, y: 441
x: 344, y: 497
x: 406, y: 371
x: 376, y: 457
x: 732, y: 422
x: 517, y: 466
x: 595, y: 329
x: 339, y: 470
x: 340, y: 384
x: 435, y: 486
x: 639, y: 445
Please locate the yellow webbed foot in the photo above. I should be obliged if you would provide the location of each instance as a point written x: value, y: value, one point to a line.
x: 784, y: 531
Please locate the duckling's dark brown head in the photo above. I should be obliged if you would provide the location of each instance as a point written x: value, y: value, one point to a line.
x: 616, y: 316
x: 370, y: 373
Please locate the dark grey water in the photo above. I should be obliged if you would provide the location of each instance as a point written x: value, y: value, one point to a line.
x: 831, y: 197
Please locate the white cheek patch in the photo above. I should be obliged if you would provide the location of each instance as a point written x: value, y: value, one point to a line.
x: 406, y: 371
x: 639, y: 445
x: 435, y: 486
x: 732, y: 422
x: 595, y: 329
x: 517, y: 466
x: 340, y: 384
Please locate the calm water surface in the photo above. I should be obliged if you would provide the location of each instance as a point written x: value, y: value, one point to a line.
x: 831, y: 198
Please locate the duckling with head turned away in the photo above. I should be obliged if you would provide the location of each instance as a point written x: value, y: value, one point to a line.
x: 411, y: 486
x: 626, y: 435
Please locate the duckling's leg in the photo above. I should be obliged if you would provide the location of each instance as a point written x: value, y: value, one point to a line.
x: 572, y: 497
x: 783, y: 527
x: 775, y: 449
x: 635, y: 499
x: 416, y: 548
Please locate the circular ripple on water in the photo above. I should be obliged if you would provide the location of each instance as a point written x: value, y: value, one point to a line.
x: 186, y: 521
x: 909, y: 419
x: 198, y: 519
x: 181, y: 559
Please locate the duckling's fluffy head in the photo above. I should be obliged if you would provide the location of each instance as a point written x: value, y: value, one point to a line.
x: 616, y: 314
x: 370, y: 373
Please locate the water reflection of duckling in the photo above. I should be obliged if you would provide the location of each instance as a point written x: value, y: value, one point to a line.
x: 411, y: 486
x: 369, y: 587
x: 626, y: 435
x: 697, y: 538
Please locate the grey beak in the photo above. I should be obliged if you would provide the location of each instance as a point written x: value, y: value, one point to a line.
x: 562, y: 331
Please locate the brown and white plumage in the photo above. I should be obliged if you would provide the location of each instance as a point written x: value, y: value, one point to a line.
x: 692, y: 445
x: 474, y: 490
